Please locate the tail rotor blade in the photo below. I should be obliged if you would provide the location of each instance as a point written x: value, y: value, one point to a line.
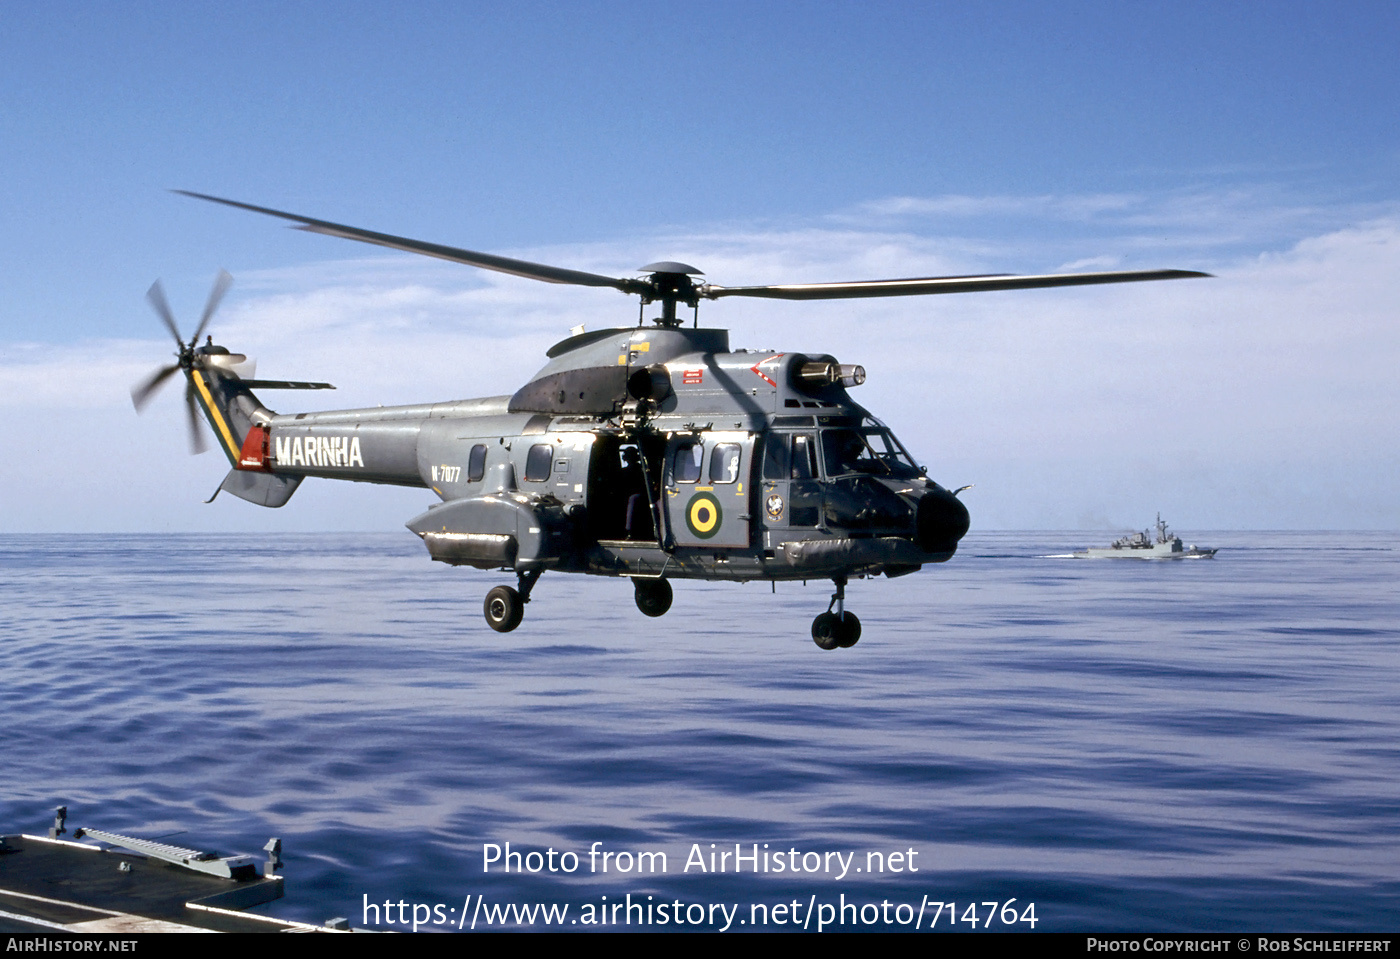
x: 142, y: 392
x: 221, y: 285
x: 197, y: 443
x: 156, y: 296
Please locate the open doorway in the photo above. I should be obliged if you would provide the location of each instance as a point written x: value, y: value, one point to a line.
x: 624, y: 485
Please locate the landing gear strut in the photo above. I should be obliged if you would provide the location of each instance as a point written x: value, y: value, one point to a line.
x: 505, y: 606
x: 653, y: 596
x: 836, y: 627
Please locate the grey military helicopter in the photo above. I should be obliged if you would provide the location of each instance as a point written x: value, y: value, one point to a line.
x: 651, y: 452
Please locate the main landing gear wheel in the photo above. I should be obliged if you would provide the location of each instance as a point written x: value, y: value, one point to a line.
x: 504, y: 609
x: 653, y: 596
x: 830, y: 631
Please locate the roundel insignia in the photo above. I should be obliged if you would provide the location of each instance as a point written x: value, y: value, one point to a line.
x: 703, y: 515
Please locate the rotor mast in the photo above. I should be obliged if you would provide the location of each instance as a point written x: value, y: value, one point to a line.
x: 671, y: 283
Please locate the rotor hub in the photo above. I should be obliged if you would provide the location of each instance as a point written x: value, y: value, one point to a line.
x: 671, y: 283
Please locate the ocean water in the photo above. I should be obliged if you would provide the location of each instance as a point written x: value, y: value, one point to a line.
x: 1192, y: 746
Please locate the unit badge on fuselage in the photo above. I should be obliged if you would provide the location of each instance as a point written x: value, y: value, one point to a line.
x: 774, y: 506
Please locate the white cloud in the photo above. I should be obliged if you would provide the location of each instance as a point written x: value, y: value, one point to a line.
x: 1263, y: 398
x: 1190, y: 220
x: 1081, y: 207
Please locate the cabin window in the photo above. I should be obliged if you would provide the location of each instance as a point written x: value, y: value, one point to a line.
x: 538, y: 463
x: 724, y: 463
x: 476, y: 463
x: 685, y: 465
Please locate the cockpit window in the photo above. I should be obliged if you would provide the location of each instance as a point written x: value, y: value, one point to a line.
x: 867, y: 449
x: 804, y: 456
x: 791, y: 456
x: 775, y: 456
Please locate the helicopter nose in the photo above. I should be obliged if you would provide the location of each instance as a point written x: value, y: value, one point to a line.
x: 942, y: 521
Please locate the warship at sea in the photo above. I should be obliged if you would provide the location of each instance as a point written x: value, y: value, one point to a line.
x: 101, y: 883
x: 1166, y: 545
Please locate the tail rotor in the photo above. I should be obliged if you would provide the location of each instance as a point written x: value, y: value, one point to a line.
x: 187, y: 356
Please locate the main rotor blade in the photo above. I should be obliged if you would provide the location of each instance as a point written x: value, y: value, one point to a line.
x: 221, y: 285
x: 142, y: 392
x: 938, y: 284
x: 156, y: 297
x: 197, y: 444
x: 485, y: 261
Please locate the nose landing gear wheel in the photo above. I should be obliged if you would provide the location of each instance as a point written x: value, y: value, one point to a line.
x: 836, y: 629
x: 830, y: 631
x: 504, y: 609
x: 653, y: 596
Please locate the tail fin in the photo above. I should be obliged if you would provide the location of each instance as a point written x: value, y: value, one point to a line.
x: 240, y: 423
x: 235, y: 414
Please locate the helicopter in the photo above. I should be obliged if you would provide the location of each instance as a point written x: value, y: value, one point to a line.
x: 647, y: 452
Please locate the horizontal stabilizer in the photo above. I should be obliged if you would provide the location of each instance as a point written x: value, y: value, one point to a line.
x: 285, y: 385
x: 264, y: 489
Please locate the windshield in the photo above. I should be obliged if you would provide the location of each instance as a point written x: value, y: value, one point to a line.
x: 868, y: 449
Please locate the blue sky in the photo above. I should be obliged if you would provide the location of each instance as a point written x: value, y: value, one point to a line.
x: 765, y: 143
